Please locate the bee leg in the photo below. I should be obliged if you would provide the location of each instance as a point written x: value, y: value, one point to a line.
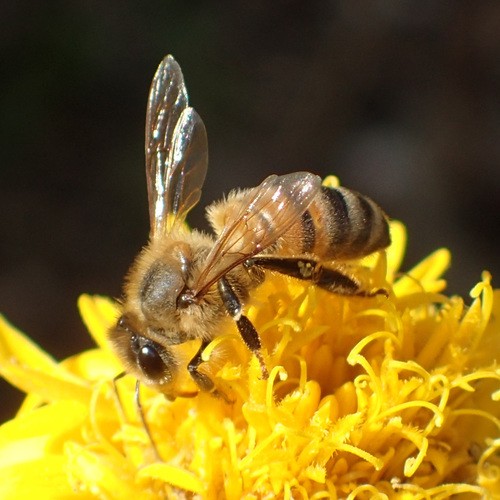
x: 337, y: 282
x: 247, y: 331
x: 311, y: 270
x: 203, y: 381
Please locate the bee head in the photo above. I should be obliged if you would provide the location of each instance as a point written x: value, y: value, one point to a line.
x: 150, y: 361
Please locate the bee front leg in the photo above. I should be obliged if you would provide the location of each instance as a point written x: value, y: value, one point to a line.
x: 204, y: 382
x: 247, y: 331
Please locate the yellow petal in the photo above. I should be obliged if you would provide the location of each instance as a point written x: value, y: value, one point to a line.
x: 14, y: 345
x: 49, y: 386
x: 175, y: 476
x: 102, y: 475
x: 95, y: 364
x: 31, y: 463
x: 32, y: 434
x: 396, y: 250
x: 99, y: 315
x: 43, y: 478
x: 424, y: 276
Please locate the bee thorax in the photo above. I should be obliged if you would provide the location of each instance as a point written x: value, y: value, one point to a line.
x: 160, y: 288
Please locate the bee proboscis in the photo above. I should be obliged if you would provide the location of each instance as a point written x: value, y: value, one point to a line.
x: 184, y: 284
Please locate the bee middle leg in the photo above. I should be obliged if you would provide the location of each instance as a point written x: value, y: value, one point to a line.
x: 311, y: 270
x: 247, y: 331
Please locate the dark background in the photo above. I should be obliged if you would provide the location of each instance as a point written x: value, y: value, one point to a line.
x: 397, y: 98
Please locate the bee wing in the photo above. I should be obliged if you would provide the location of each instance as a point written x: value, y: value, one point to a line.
x: 176, y: 150
x: 266, y: 213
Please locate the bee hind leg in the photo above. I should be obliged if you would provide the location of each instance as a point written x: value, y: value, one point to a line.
x: 329, y: 279
x: 335, y: 281
x: 247, y: 331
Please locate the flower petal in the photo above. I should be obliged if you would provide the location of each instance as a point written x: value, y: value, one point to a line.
x: 31, y: 370
x: 99, y: 315
x: 34, y: 433
x: 397, y: 248
x: 42, y: 478
x: 424, y: 276
x: 15, y: 345
x: 174, y: 476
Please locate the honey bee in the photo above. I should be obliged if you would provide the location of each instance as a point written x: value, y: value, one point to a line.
x: 184, y: 284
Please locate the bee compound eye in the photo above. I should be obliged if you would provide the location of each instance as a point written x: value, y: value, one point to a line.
x: 135, y: 344
x: 151, y: 362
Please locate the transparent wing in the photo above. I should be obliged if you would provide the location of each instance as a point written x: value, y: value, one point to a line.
x: 176, y: 150
x: 265, y: 214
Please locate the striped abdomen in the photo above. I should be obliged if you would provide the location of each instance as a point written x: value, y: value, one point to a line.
x: 339, y: 224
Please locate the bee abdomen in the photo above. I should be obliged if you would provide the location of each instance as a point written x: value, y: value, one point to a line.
x: 339, y: 224
x: 350, y: 225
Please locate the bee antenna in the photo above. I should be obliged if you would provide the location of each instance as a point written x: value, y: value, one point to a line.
x: 117, y: 395
x: 145, y: 424
x: 140, y: 410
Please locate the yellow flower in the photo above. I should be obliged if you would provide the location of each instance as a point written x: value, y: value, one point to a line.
x: 375, y: 397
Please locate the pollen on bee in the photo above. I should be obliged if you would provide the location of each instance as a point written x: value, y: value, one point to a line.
x: 306, y: 270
